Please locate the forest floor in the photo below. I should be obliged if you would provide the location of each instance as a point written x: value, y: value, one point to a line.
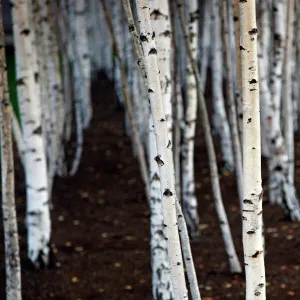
x: 100, y: 226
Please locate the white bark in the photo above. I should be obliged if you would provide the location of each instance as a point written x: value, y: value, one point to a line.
x: 189, y: 200
x: 252, y: 210
x: 237, y: 150
x: 219, y: 119
x: 161, y: 277
x: 264, y: 38
x: 287, y: 92
x: 281, y: 189
x: 159, y: 13
x: 187, y: 255
x: 55, y: 89
x: 206, y: 42
x: 234, y: 264
x: 81, y: 45
x: 11, y: 241
x: 77, y: 77
x: 238, y: 86
x: 37, y: 215
x: 164, y: 152
x: 160, y: 20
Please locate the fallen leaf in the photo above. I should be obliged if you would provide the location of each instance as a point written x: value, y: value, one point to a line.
x: 75, y: 279
x: 128, y: 287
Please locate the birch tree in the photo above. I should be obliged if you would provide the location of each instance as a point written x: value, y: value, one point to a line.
x: 219, y: 119
x: 164, y: 151
x: 81, y: 42
x: 11, y: 241
x: 237, y: 150
x: 161, y: 277
x: 234, y: 264
x: 287, y: 92
x: 37, y: 214
x: 281, y: 189
x: 252, y: 210
x: 189, y: 200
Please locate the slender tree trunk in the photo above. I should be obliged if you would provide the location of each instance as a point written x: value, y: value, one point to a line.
x: 187, y: 255
x: 160, y: 20
x: 252, y: 210
x: 77, y: 77
x: 234, y: 264
x: 81, y: 44
x: 164, y: 157
x: 118, y: 31
x: 237, y: 150
x: 287, y: 92
x: 161, y: 277
x: 264, y: 49
x: 238, y: 86
x: 11, y: 241
x: 206, y: 42
x: 220, y: 122
x: 129, y: 107
x: 161, y: 24
x: 63, y: 30
x: 37, y: 215
x: 189, y: 200
x: 281, y: 189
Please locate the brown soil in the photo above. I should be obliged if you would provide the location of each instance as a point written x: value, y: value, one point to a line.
x: 101, y: 227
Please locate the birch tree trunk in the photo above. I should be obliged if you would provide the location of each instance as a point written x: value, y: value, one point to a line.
x: 81, y: 44
x: 219, y: 120
x: 287, y: 92
x: 118, y: 31
x: 164, y: 153
x: 237, y: 150
x: 54, y: 85
x: 206, y: 42
x: 11, y: 241
x: 238, y: 86
x: 161, y: 277
x: 264, y: 49
x: 234, y: 264
x: 37, y: 215
x: 252, y: 210
x: 161, y: 24
x: 161, y: 281
x: 189, y: 200
x: 281, y: 189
